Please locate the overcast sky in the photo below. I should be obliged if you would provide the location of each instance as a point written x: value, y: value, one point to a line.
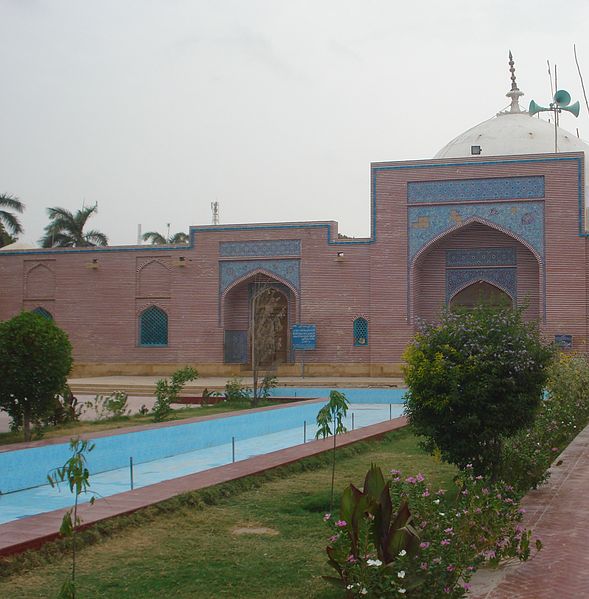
x: 156, y: 108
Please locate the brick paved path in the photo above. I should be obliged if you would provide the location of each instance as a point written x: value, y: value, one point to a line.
x: 558, y: 514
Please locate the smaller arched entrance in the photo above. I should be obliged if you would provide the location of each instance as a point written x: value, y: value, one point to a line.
x: 481, y: 293
x: 256, y: 321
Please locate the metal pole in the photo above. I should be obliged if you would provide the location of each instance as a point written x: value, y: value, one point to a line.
x: 131, y: 471
x: 390, y: 411
x: 352, y: 420
x: 233, y: 449
x: 304, y: 431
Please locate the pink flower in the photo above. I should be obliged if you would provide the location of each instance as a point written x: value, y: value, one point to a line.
x: 451, y: 568
x: 424, y: 565
x: 424, y: 545
x: 448, y: 530
x: 333, y: 539
x: 351, y: 559
x: 411, y: 480
x: 395, y: 472
x: 326, y: 517
x: 425, y: 493
x: 554, y: 449
x: 445, y: 542
x: 420, y: 477
x: 466, y: 586
x: 341, y: 523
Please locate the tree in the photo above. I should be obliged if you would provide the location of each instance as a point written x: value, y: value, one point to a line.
x: 474, y: 379
x: 330, y: 421
x: 77, y: 475
x: 156, y: 238
x: 67, y: 229
x: 35, y: 359
x: 266, y: 325
x: 10, y: 226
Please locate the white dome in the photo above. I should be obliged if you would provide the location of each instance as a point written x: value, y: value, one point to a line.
x: 18, y: 245
x: 512, y: 133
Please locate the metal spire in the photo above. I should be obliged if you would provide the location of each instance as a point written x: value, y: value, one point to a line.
x: 514, y: 93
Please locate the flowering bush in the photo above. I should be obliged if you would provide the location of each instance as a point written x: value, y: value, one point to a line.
x: 565, y: 411
x: 475, y: 378
x: 415, y: 541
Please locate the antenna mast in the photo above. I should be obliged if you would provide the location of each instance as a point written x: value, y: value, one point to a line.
x: 215, y: 211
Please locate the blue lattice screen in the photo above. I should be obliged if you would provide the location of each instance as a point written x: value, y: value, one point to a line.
x: 360, y: 331
x: 44, y: 313
x: 153, y: 327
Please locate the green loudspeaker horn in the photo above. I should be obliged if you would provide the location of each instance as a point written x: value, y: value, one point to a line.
x: 573, y: 108
x: 536, y: 108
x: 562, y: 98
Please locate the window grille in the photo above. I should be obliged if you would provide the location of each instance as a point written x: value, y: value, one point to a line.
x: 44, y: 313
x: 360, y: 332
x: 153, y: 327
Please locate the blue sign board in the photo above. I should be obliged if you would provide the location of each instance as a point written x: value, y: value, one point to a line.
x: 564, y: 341
x: 304, y: 336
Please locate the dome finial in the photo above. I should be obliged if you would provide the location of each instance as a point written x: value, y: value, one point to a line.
x: 514, y: 93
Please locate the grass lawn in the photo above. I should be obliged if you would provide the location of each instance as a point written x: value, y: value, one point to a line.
x: 197, y: 551
x: 74, y: 429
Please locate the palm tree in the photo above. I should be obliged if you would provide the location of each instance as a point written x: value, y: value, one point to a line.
x: 67, y: 229
x: 10, y: 226
x: 156, y: 238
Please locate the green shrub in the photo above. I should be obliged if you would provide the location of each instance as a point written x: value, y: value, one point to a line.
x: 474, y: 379
x: 235, y: 390
x: 110, y: 406
x: 166, y: 391
x: 35, y: 359
x: 565, y: 411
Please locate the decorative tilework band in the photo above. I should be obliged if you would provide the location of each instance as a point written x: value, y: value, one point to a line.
x: 274, y: 247
x: 505, y: 188
x: 231, y: 271
x: 459, y: 278
x: 481, y: 257
x: 523, y: 219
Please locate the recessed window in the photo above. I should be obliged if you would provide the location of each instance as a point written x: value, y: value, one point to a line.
x: 42, y: 312
x: 360, y: 332
x: 153, y: 327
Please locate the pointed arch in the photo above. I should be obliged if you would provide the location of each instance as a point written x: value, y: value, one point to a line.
x: 43, y: 312
x: 481, y: 296
x: 40, y: 282
x: 360, y: 328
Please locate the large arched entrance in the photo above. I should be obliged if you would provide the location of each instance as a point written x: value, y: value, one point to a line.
x: 257, y: 316
x: 475, y: 264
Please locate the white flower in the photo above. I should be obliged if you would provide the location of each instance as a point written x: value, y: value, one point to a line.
x: 364, y: 592
x: 350, y: 587
x: 401, y: 574
x: 436, y: 501
x: 442, y: 513
x: 373, y: 562
x: 402, y: 591
x: 402, y: 552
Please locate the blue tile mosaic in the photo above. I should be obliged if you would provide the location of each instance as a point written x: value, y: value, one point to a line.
x: 288, y: 270
x: 276, y: 247
x: 524, y: 219
x: 481, y: 257
x: 459, y: 278
x: 506, y: 188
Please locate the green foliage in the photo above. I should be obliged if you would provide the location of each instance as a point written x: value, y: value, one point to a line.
x: 563, y: 413
x: 400, y: 537
x: 110, y: 406
x: 35, y: 359
x: 235, y: 390
x: 67, y: 229
x: 474, y: 379
x: 66, y: 409
x: 10, y: 226
x: 268, y: 383
x: 166, y: 391
x: 77, y: 475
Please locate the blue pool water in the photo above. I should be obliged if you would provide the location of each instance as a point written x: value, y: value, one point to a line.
x: 177, y: 450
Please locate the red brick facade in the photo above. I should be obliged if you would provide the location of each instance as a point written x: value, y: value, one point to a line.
x: 403, y: 271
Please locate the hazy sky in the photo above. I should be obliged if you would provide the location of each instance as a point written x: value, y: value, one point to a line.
x: 156, y: 108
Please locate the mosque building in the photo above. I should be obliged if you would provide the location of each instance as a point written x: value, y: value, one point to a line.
x: 497, y: 214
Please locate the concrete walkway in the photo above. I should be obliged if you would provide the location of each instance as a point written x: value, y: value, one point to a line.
x: 558, y: 514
